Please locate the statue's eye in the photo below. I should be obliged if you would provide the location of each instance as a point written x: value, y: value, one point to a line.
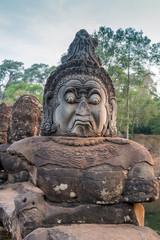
x: 70, y: 97
x: 94, y: 99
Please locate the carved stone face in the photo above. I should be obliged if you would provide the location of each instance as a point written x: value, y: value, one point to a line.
x: 5, y: 112
x: 22, y: 125
x: 82, y: 108
x: 79, y: 96
x: 25, y: 118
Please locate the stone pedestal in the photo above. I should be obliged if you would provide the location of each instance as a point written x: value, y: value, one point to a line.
x: 94, y: 232
x: 76, y: 182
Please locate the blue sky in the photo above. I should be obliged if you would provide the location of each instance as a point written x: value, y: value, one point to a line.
x: 40, y: 31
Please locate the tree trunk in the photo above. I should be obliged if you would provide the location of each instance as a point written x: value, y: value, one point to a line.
x: 133, y: 121
x: 9, y: 81
x: 128, y: 87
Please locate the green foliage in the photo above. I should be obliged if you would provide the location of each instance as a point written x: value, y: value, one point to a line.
x: 126, y: 48
x: 13, y: 92
x: 152, y: 215
x: 127, y: 56
x: 11, y: 72
x: 149, y: 124
x: 15, y: 80
x: 37, y: 73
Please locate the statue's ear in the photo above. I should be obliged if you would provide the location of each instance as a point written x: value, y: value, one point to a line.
x: 114, y: 109
x: 48, y: 98
x: 47, y: 114
x: 112, y: 123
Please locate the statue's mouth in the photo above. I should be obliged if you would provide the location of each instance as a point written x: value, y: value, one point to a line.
x: 83, y: 127
x: 83, y: 123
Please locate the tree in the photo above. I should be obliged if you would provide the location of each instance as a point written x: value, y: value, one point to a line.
x: 11, y: 72
x: 148, y: 120
x: 13, y: 92
x: 15, y: 80
x: 37, y: 73
x: 129, y: 50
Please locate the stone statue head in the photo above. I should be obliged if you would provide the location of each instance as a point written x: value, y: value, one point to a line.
x: 5, y: 112
x: 25, y: 119
x: 79, y: 97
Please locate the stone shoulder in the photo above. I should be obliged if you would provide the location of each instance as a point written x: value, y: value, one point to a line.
x: 81, y: 152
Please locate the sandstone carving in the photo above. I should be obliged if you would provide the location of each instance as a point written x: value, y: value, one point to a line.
x: 94, y: 232
x: 26, y: 118
x: 5, y: 112
x: 98, y: 173
x: 83, y: 182
x: 79, y: 97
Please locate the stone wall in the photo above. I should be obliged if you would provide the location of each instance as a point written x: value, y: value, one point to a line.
x: 152, y: 143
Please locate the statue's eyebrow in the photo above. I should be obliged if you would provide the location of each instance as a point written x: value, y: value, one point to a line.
x: 71, y: 89
x: 94, y: 91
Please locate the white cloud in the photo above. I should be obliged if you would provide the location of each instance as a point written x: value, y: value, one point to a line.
x: 43, y: 33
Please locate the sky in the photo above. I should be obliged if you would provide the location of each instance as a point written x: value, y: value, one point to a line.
x: 40, y: 31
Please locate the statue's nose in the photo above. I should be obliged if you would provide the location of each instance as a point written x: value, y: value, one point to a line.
x: 83, y: 109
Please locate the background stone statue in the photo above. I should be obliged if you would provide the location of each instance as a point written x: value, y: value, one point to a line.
x: 25, y: 118
x: 5, y: 112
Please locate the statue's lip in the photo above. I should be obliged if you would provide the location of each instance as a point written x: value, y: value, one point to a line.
x: 82, y: 122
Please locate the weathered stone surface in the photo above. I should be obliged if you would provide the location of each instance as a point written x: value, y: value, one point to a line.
x: 7, y: 207
x: 5, y: 112
x: 3, y: 137
x: 41, y: 151
x: 34, y: 212
x: 25, y: 119
x: 22, y: 176
x: 13, y: 168
x: 3, y: 176
x: 8, y: 215
x: 141, y: 182
x: 3, y: 147
x: 12, y: 164
x: 94, y: 232
x: 101, y: 184
x: 4, y: 235
x: 101, y: 172
x: 23, y: 208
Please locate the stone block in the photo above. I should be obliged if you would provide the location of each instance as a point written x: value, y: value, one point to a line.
x: 94, y: 232
x: 141, y: 184
x: 101, y: 184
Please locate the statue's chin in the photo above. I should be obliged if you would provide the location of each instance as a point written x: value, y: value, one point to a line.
x: 83, y: 131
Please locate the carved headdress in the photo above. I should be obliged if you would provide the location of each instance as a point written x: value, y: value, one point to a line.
x: 80, y: 61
